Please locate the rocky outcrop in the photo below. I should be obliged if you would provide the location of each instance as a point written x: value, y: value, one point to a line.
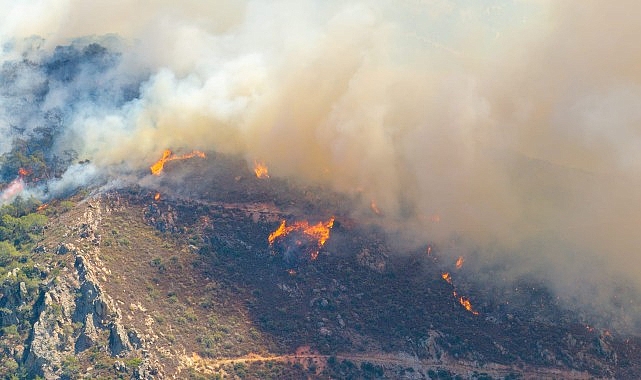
x: 90, y: 300
x: 118, y: 339
x: 13, y: 296
x: 164, y: 220
x: 64, y: 248
x: 52, y: 335
x: 88, y: 335
x: 73, y: 313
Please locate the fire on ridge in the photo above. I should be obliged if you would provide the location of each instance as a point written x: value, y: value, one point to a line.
x: 464, y: 301
x: 318, y: 233
x: 168, y: 155
x: 261, y: 170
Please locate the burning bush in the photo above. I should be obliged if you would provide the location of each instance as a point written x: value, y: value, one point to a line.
x: 300, y: 241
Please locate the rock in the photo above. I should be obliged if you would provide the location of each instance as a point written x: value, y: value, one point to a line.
x: 51, y: 342
x: 89, y: 335
x: 120, y: 366
x: 134, y: 338
x: 17, y: 352
x: 118, y: 339
x: 72, y: 312
x: 40, y: 249
x: 23, y: 292
x: 12, y: 294
x: 90, y: 300
x: 145, y: 371
x: 65, y: 248
x: 162, y: 220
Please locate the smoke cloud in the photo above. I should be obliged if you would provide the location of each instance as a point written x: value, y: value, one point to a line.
x: 514, y: 124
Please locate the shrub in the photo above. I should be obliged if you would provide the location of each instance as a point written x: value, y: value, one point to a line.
x: 134, y: 362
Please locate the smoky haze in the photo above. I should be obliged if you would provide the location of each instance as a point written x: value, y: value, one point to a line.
x: 514, y: 124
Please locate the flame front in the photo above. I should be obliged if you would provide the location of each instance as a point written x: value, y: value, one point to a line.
x: 157, y: 196
x: 22, y: 172
x: 156, y: 168
x: 260, y: 169
x: 465, y: 302
x: 319, y: 232
x: 459, y: 262
x: 280, y: 231
x: 167, y: 156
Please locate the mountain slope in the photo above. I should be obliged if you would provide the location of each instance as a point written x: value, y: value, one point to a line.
x: 188, y: 286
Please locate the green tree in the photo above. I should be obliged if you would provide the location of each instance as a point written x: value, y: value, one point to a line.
x: 7, y: 253
x: 21, y: 230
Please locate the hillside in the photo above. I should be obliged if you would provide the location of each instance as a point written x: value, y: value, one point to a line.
x: 188, y: 286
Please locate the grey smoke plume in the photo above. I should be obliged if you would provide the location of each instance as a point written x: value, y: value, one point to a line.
x: 515, y: 124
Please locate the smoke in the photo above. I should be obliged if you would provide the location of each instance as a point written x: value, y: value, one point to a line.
x: 514, y: 124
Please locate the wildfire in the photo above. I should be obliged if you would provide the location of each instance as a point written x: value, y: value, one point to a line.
x: 459, y: 262
x: 42, y: 207
x: 157, y: 196
x: 318, y: 232
x: 22, y: 172
x: 428, y: 250
x: 464, y: 301
x: 167, y: 156
x: 260, y: 169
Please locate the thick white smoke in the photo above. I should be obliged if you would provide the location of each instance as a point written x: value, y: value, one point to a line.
x: 516, y: 122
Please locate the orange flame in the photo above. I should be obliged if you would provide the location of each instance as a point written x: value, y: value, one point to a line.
x: 42, y: 207
x: 319, y: 232
x: 157, y: 196
x: 260, y: 169
x: 167, y: 156
x: 22, y: 172
x: 459, y: 262
x: 280, y: 231
x: 429, y: 250
x: 465, y: 302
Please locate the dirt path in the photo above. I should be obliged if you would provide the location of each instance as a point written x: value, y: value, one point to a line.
x: 205, y: 365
